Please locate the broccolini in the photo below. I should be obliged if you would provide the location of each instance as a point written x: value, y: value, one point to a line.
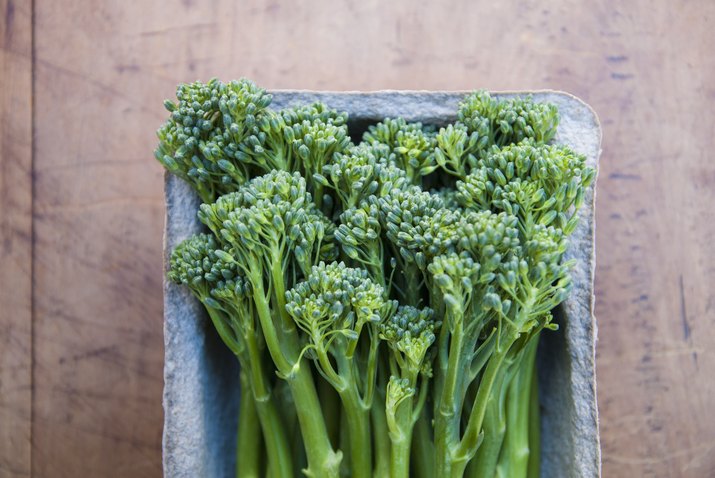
x: 385, y: 299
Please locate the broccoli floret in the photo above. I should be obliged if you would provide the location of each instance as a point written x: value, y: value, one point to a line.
x: 457, y: 149
x: 360, y: 237
x: 194, y: 142
x: 352, y: 174
x: 301, y: 139
x: 333, y: 305
x: 508, y: 121
x: 410, y: 144
x: 269, y: 217
x: 540, y: 184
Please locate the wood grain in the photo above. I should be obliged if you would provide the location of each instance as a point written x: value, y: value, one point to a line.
x: 98, y: 223
x: 15, y: 238
x: 103, y: 68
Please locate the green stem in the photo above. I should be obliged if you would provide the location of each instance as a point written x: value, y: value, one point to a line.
x: 219, y: 321
x: 344, y: 444
x: 358, y: 421
x: 534, y: 469
x: 401, y: 432
x: 514, y: 459
x: 375, y: 265
x: 265, y: 318
x: 256, y: 393
x: 330, y: 403
x: 400, y: 462
x: 441, y: 362
x: 277, y: 448
x: 322, y: 460
x: 279, y: 295
x: 380, y: 431
x: 357, y: 417
x: 473, y: 433
x: 318, y: 195
x: 412, y: 276
x: 423, y: 449
x: 248, y: 443
x: 446, y: 427
x: 484, y: 463
x: 370, y: 372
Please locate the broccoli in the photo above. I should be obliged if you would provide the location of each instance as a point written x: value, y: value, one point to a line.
x: 410, y: 334
x: 211, y: 274
x: 485, y: 123
x: 195, y: 143
x: 382, y: 327
x: 410, y: 145
x: 339, y: 309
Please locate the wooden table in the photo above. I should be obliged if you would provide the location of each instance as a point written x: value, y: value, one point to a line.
x: 81, y: 206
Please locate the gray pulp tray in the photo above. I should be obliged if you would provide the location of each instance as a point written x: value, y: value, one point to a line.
x: 201, y: 376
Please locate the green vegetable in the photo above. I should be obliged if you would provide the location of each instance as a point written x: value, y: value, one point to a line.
x: 383, y: 328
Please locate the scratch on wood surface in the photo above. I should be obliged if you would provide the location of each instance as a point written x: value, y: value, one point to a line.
x: 624, y: 176
x: 621, y: 76
x: 102, y: 351
x: 683, y: 311
x: 9, y: 16
x: 189, y: 27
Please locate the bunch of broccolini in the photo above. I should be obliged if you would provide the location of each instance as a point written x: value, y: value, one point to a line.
x: 384, y: 299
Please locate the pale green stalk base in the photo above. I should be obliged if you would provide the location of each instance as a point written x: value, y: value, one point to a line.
x: 514, y: 459
x: 380, y: 436
x: 249, y: 441
x: 422, y: 449
x: 484, y: 463
x: 534, y: 468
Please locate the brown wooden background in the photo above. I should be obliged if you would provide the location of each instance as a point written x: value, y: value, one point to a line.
x: 81, y: 207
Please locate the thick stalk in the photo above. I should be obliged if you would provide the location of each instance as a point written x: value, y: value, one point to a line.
x: 423, y: 447
x: 248, y: 443
x: 357, y: 417
x: 473, y: 432
x: 412, y: 276
x: 514, y: 459
x: 446, y: 427
x: 358, y: 421
x: 380, y: 431
x: 330, y: 403
x: 344, y: 445
x: 400, y: 460
x: 484, y: 463
x: 277, y: 449
x: 401, y: 433
x: 534, y: 470
x: 322, y: 460
x: 276, y: 442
